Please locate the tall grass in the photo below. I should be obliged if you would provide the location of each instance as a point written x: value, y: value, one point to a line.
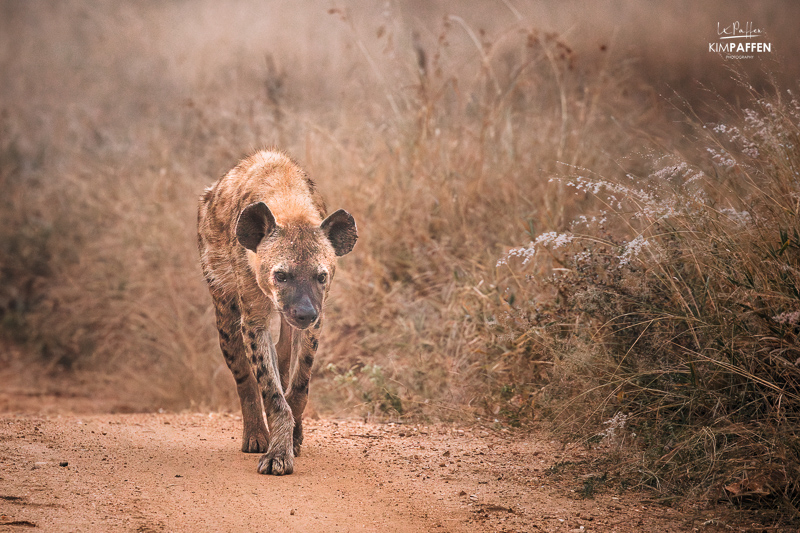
x: 113, y: 133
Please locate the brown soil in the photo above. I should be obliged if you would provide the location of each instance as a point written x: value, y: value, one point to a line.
x: 64, y: 466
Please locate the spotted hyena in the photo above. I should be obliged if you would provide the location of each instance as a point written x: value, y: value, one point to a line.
x: 266, y: 247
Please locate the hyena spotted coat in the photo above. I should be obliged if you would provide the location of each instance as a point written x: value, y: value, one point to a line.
x: 267, y: 247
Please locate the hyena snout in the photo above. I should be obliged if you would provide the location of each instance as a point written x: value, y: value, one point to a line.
x: 302, y: 314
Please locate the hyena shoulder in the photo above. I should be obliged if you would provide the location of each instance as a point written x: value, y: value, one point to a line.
x: 268, y: 176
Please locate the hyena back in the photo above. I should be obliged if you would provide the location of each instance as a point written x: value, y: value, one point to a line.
x: 266, y: 247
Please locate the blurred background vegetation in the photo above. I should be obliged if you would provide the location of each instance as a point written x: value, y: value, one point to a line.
x: 569, y: 213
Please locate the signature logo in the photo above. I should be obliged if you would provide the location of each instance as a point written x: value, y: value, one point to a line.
x: 740, y: 41
x: 737, y: 31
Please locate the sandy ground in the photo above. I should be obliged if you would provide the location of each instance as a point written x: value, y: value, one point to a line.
x: 67, y: 466
x: 184, y: 472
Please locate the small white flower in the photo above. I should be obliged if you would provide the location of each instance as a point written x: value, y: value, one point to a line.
x: 791, y: 317
x: 740, y: 218
x: 632, y: 249
x: 556, y: 240
x: 617, y: 422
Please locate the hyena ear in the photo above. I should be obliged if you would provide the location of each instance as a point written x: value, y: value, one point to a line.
x: 255, y: 222
x: 340, y: 227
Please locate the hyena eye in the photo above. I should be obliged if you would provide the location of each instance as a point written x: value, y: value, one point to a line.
x: 322, y: 278
x: 281, y: 276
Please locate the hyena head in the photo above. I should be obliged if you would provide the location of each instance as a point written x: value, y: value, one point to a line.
x: 294, y: 263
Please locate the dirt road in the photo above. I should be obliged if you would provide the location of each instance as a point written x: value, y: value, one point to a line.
x: 69, y: 463
x: 184, y: 472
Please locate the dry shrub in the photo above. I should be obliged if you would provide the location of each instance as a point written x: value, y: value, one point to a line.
x: 678, y: 306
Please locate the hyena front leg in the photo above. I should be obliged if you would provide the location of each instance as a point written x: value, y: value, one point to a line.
x: 254, y: 434
x: 284, y: 349
x: 279, y: 459
x: 305, y: 347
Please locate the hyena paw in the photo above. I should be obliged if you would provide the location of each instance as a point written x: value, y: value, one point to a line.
x: 277, y: 463
x: 255, y: 441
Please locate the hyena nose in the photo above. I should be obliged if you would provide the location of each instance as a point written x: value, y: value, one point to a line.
x: 303, y: 315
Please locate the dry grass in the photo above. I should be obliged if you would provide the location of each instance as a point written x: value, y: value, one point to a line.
x: 677, y: 309
x: 440, y: 128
